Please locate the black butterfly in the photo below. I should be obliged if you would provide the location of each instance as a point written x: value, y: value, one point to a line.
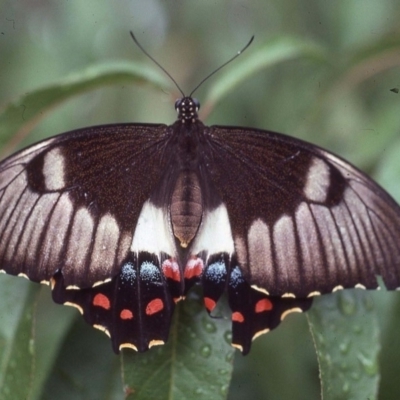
x: 123, y: 219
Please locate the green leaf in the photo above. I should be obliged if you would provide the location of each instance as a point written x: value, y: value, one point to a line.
x: 272, y: 52
x: 52, y: 323
x: 388, y: 171
x: 17, y: 344
x: 21, y: 115
x: 345, y: 332
x: 31, y: 333
x: 196, y: 362
x: 86, y: 367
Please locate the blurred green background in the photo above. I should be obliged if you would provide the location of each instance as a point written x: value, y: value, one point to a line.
x: 327, y: 77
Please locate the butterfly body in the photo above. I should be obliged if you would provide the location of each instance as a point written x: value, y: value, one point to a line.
x: 122, y: 220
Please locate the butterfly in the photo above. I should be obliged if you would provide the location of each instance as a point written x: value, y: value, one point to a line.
x: 122, y: 220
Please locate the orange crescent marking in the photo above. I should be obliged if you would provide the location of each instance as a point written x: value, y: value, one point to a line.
x: 101, y: 300
x: 154, y: 306
x: 209, y: 303
x: 263, y: 305
x: 126, y: 314
x: 237, y: 317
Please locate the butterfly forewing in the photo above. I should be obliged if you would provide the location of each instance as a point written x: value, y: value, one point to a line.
x: 71, y: 203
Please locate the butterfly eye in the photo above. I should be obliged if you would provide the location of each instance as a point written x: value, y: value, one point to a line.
x: 178, y: 104
x: 196, y: 104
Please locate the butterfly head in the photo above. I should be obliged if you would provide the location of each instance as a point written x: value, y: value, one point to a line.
x: 187, y: 108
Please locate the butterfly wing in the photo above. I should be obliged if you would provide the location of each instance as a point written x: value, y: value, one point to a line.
x: 72, y: 202
x: 303, y: 220
x: 69, y: 210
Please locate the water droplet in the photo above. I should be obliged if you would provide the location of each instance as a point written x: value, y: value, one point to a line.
x: 208, y: 325
x: 369, y: 365
x: 344, y: 347
x: 228, y: 337
x: 205, y: 351
x: 346, y: 387
x: 368, y: 302
x: 224, y: 389
x: 344, y: 366
x: 355, y: 376
x: 357, y: 329
x: 347, y: 304
x: 198, y: 391
x: 229, y: 356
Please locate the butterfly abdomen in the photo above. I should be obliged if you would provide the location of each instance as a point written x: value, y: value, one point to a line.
x: 186, y: 207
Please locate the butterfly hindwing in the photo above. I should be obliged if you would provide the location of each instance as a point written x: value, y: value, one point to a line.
x: 134, y: 308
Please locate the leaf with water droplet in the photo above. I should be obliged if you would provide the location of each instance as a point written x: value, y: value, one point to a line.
x: 347, y: 345
x: 189, y: 365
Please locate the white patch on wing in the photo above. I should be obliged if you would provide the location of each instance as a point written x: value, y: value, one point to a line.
x: 260, y: 253
x: 310, y: 246
x: 79, y: 242
x: 153, y: 232
x: 54, y: 169
x: 105, y: 244
x: 286, y: 253
x: 317, y: 181
x: 10, y: 174
x: 30, y: 241
x: 16, y: 224
x: 24, y: 156
x: 54, y: 237
x: 214, y: 235
x: 11, y: 203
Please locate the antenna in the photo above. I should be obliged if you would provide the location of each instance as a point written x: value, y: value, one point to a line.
x: 203, y: 80
x: 156, y: 62
x: 223, y: 65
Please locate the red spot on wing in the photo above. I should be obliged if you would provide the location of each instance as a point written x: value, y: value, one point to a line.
x: 126, y: 314
x: 154, y: 306
x: 171, y: 270
x: 237, y: 317
x: 100, y: 300
x: 209, y: 303
x: 263, y: 305
x: 194, y: 268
